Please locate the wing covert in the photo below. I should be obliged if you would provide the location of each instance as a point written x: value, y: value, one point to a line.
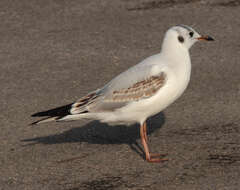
x: 142, y: 89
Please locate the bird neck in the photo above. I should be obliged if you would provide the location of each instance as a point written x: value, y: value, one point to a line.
x: 175, y: 52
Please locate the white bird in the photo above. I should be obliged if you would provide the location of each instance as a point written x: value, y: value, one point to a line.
x: 141, y: 91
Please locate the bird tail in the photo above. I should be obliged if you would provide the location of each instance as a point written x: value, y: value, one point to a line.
x: 60, y: 114
x: 52, y: 114
x: 45, y: 120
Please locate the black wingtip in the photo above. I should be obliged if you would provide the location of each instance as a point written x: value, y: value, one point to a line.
x: 33, y: 124
x: 59, y: 111
x: 35, y: 114
x: 37, y: 122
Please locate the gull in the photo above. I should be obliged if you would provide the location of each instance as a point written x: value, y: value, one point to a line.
x: 141, y: 91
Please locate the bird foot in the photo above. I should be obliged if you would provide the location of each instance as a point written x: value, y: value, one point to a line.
x: 156, y: 158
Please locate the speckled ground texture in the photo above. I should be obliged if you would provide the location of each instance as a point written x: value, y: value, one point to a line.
x: 52, y: 52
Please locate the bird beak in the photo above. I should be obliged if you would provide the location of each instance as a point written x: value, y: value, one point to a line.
x: 205, y: 38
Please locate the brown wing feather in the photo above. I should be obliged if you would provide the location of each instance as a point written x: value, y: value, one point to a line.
x: 85, y: 100
x: 80, y: 106
x: 142, y: 89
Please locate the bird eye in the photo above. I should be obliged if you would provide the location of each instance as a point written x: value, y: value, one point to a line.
x: 191, y: 34
x: 180, y: 39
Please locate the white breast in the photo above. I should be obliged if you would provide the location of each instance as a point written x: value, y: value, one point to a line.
x: 177, y: 81
x: 178, y: 76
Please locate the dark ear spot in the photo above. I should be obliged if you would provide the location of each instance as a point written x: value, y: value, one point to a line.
x: 191, y: 34
x: 180, y: 39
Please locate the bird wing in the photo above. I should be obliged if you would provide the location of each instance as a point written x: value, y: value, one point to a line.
x: 137, y: 83
x: 139, y: 90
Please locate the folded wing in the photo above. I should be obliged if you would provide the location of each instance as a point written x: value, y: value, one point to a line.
x: 100, y: 102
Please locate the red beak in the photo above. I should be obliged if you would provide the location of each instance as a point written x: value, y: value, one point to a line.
x: 206, y: 38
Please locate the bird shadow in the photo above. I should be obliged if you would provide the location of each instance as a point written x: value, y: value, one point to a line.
x: 95, y: 132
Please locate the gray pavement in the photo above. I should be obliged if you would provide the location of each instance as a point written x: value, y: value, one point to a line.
x: 54, y: 51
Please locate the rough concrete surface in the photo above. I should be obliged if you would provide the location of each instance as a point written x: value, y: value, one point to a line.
x: 52, y: 52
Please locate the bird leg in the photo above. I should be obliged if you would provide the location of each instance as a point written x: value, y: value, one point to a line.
x: 145, y: 132
x: 149, y: 157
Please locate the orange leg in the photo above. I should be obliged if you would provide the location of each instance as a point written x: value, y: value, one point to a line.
x: 149, y: 157
x: 145, y: 132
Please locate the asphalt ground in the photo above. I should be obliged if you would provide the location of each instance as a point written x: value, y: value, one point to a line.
x: 52, y: 52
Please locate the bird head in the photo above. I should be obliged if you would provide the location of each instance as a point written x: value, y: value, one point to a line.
x: 183, y: 36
